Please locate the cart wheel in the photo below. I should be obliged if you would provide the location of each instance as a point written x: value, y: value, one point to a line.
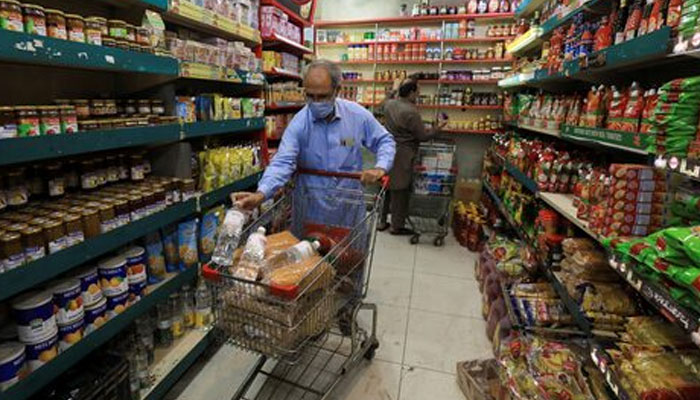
x: 441, y: 221
x: 439, y: 242
x: 415, y: 239
x: 371, y: 350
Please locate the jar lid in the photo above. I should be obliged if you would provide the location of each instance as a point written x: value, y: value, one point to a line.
x: 31, y: 230
x: 80, y: 101
x: 33, y: 6
x: 116, y: 21
x: 71, y: 218
x: 96, y: 19
x: 75, y: 16
x: 17, y: 227
x: 66, y: 107
x: 52, y: 11
x: 6, y: 108
x: 10, y: 236
x: 11, y: 2
x: 88, y: 211
x: 52, y: 223
x: 38, y: 221
x: 24, y: 108
x: 131, y: 26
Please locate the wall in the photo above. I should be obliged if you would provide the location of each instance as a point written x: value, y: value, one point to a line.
x: 470, y: 149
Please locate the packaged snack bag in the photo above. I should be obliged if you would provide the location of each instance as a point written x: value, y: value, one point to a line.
x: 156, y: 259
x: 172, y: 258
x: 187, y: 244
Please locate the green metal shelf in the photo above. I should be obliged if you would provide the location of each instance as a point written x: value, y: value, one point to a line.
x: 38, y: 379
x: 628, y: 141
x: 35, y: 148
x: 221, y: 195
x: 39, y: 271
x: 206, y: 128
x: 18, y: 47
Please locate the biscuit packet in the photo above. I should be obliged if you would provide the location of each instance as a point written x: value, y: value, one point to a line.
x: 187, y: 244
x: 172, y: 258
x: 156, y: 259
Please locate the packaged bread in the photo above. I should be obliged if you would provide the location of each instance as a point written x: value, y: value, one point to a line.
x: 279, y: 242
x: 308, y: 275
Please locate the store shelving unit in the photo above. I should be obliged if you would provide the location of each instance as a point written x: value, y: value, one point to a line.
x: 19, y: 150
x: 282, y: 73
x: 35, y: 381
x: 153, y: 72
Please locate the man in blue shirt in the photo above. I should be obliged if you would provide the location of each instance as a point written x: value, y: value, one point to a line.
x: 327, y: 134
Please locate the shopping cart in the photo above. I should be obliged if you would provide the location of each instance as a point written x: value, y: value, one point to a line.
x: 307, y: 334
x: 434, y: 179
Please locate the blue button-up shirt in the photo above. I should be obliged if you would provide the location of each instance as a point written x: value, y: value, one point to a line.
x: 331, y: 146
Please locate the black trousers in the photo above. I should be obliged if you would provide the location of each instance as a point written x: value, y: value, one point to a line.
x: 396, y: 202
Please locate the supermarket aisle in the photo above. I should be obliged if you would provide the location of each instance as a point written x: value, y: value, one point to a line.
x: 429, y: 318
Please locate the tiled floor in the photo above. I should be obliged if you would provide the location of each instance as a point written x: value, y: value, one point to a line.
x: 429, y: 318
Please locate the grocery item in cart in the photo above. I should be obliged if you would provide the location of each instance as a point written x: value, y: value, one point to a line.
x: 229, y: 236
x: 292, y: 255
x: 251, y: 263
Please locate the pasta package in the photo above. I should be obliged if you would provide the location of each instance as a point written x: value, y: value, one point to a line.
x: 187, y: 244
x: 172, y: 258
x: 156, y: 259
x: 207, y: 233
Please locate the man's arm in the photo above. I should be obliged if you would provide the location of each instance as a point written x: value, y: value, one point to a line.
x: 284, y: 163
x: 413, y: 122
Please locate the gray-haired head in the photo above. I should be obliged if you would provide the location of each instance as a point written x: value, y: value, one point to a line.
x: 332, y: 68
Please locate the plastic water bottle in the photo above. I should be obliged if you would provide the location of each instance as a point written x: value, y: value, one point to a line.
x: 295, y: 254
x: 203, y: 314
x: 229, y: 236
x: 253, y: 256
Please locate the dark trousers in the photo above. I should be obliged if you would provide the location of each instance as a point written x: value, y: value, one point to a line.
x: 399, y: 208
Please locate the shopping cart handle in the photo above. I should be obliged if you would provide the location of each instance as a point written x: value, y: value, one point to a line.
x: 331, y: 174
x: 210, y: 273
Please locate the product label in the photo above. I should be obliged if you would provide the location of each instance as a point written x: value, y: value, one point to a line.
x: 3, y: 199
x: 118, y: 33
x: 50, y: 126
x: 56, y: 187
x: 28, y: 127
x: 8, y: 131
x: 57, y: 245
x: 34, y: 253
x: 202, y: 317
x: 94, y: 37
x: 58, y: 32
x: 76, y: 36
x: 12, y: 21
x: 88, y: 181
x: 37, y: 330
x: 74, y: 238
x: 69, y: 125
x: 137, y: 173
x: 113, y: 174
x: 12, y: 262
x: 35, y: 25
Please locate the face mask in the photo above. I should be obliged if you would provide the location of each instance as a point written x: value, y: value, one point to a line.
x: 321, y: 109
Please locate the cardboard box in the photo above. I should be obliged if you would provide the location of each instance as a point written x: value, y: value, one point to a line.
x: 468, y: 190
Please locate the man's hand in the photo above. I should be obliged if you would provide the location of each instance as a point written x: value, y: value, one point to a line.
x: 246, y: 200
x: 372, y: 175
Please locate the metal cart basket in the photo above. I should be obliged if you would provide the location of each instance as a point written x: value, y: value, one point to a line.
x: 433, y: 185
x: 307, y: 333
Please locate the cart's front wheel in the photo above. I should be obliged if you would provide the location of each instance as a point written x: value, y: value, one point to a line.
x: 372, y: 349
x: 439, y: 242
x: 415, y: 239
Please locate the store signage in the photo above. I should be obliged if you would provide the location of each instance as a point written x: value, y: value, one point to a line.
x: 632, y: 140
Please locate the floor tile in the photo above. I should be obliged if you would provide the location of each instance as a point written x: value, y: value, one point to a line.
x: 376, y: 380
x: 389, y: 286
x: 391, y: 331
x: 421, y: 384
x: 394, y: 252
x: 451, y: 260
x: 446, y: 295
x: 437, y: 341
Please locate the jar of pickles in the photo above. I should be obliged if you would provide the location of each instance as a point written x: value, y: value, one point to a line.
x: 117, y: 29
x: 11, y: 15
x: 56, y: 24
x: 76, y: 28
x: 34, y: 19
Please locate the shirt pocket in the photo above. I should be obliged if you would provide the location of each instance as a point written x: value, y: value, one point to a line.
x: 347, y: 154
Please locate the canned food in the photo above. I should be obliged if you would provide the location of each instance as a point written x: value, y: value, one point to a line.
x: 12, y: 363
x: 113, y: 277
x: 68, y: 301
x: 117, y: 304
x: 95, y: 316
x: 42, y: 352
x: 70, y: 334
x: 136, y: 260
x: 90, y: 287
x: 34, y: 315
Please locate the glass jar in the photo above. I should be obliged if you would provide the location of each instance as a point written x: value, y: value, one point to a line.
x: 93, y: 30
x: 16, y: 227
x: 130, y: 33
x: 91, y: 222
x: 130, y: 107
x: 8, y: 123
x: 164, y: 334
x: 135, y: 206
x: 187, y: 189
x: 33, y: 242
x: 34, y: 19
x: 27, y: 121
x: 82, y: 108
x: 144, y: 107
x: 76, y: 28
x: 178, y: 315
x: 97, y: 108
x: 137, y: 172
x: 11, y: 15
x: 74, y: 229
x: 107, y: 222
x: 143, y: 36
x: 108, y: 42
x: 88, y: 176
x: 111, y: 107
x: 122, y: 44
x: 117, y: 29
x: 11, y: 251
x: 149, y: 202
x: 157, y: 107
x: 55, y: 180
x: 50, y: 120
x: 112, y: 169
x: 54, y: 235
x: 17, y: 191
x: 121, y: 211
x: 88, y: 125
x: 69, y: 119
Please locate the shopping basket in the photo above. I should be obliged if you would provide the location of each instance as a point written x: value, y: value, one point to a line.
x: 296, y: 325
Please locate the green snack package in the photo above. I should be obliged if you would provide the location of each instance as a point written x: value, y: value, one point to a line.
x: 686, y: 239
x: 684, y: 84
x: 686, y: 277
x: 681, y: 98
